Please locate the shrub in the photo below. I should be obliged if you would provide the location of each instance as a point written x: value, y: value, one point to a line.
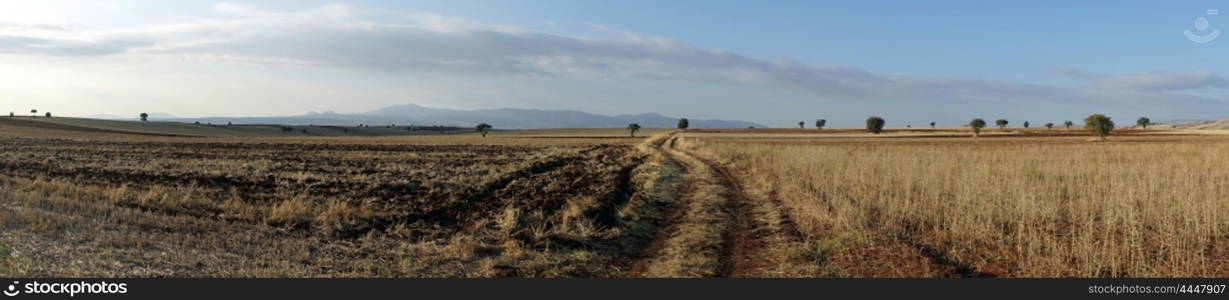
x: 1142, y: 122
x: 683, y: 123
x: 874, y: 124
x: 633, y: 128
x: 820, y: 123
x: 977, y: 125
x: 1099, y: 125
x: 483, y: 128
x: 1001, y: 123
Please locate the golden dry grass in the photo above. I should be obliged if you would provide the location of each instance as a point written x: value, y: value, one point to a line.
x: 1019, y: 207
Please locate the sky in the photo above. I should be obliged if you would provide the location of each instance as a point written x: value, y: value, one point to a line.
x: 770, y: 62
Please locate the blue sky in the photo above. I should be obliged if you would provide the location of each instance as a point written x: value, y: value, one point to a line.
x: 772, y: 63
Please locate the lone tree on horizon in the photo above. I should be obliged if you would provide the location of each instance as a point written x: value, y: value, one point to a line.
x: 633, y: 128
x: 874, y: 124
x: 683, y: 124
x: 483, y: 128
x: 1049, y: 125
x: 819, y: 124
x: 144, y: 117
x: 932, y: 125
x: 47, y: 115
x: 1099, y: 125
x: 1143, y: 122
x: 802, y: 124
x: 1068, y: 123
x: 977, y: 125
x: 1026, y: 124
x: 1001, y: 123
x: 33, y: 113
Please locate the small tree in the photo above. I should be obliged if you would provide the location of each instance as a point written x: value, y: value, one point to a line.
x: 802, y: 124
x: 1068, y: 123
x: 1025, y: 124
x: 1049, y: 125
x: 633, y: 128
x: 33, y: 113
x: 1099, y: 125
x: 819, y: 124
x: 10, y: 114
x: 47, y: 115
x: 144, y: 117
x: 1143, y: 122
x: 932, y: 125
x: 683, y: 123
x: 874, y: 124
x: 977, y: 125
x: 483, y: 128
x: 1001, y: 123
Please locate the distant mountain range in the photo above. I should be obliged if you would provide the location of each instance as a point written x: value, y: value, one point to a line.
x: 504, y: 118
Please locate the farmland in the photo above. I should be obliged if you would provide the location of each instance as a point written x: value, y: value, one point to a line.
x: 1041, y: 205
x: 594, y: 203
x: 160, y: 206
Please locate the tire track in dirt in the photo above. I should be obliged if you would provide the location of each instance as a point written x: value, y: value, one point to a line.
x: 692, y: 240
x: 668, y: 226
x: 751, y: 245
x: 753, y: 241
x: 759, y: 244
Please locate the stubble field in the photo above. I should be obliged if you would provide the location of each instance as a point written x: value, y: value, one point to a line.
x: 1040, y: 206
x: 589, y: 203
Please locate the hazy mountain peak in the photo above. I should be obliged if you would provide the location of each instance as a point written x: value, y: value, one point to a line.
x: 504, y: 118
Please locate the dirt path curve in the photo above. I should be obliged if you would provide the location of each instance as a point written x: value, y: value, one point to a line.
x: 760, y: 244
x: 718, y: 230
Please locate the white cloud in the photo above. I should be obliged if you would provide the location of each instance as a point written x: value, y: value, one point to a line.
x: 1151, y: 81
x: 351, y: 38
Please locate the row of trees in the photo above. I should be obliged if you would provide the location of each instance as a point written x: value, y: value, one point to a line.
x: 1142, y: 122
x: 1100, y: 125
x: 33, y: 114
